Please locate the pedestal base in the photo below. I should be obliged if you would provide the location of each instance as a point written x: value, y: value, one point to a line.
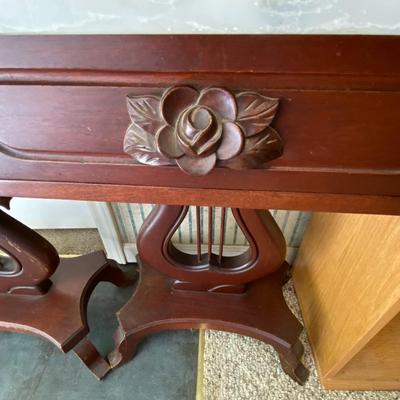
x: 260, y: 312
x: 60, y: 315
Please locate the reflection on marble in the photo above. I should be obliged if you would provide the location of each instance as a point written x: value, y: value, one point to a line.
x: 200, y: 16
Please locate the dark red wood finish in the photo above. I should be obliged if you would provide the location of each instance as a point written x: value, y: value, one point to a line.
x: 377, y: 204
x: 63, y: 121
x: 198, y: 130
x: 241, y: 293
x: 266, y: 253
x: 261, y: 312
x: 47, y: 297
x: 275, y: 54
x: 62, y: 102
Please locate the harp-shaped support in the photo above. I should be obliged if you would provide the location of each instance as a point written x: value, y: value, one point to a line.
x: 43, y: 295
x: 237, y: 294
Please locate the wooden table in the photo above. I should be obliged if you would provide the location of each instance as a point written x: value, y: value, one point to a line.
x: 246, y: 122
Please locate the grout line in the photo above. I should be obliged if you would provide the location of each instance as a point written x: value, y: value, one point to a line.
x: 200, y: 366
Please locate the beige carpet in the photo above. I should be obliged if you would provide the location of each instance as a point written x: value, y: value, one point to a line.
x: 73, y: 241
x: 240, y: 368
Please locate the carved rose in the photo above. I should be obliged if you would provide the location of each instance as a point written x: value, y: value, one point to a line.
x: 198, y: 130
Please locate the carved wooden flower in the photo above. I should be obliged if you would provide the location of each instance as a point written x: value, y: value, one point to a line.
x: 198, y: 130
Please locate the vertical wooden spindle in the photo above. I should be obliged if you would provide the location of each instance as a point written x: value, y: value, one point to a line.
x: 210, y: 232
x: 221, y: 235
x: 198, y: 230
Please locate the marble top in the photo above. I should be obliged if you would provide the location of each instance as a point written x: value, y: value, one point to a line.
x: 200, y: 16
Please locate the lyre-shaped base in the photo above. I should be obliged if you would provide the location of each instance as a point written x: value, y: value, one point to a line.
x: 261, y: 312
x: 60, y: 315
x: 240, y: 294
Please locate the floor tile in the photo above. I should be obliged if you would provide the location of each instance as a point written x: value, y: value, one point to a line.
x: 163, y: 369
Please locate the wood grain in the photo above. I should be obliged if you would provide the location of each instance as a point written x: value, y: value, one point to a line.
x: 62, y: 102
x: 204, y: 197
x: 374, y: 366
x: 64, y: 113
x: 329, y: 145
x: 347, y: 278
x: 310, y: 54
x: 261, y: 312
x: 59, y: 316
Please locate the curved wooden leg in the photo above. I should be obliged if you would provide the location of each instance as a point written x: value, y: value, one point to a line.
x: 55, y: 309
x: 114, y: 274
x: 61, y: 318
x: 125, y: 347
x: 89, y: 355
x: 85, y: 349
x: 292, y: 365
x: 261, y: 312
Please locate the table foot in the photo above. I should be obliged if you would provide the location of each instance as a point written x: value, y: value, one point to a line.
x: 89, y: 355
x: 260, y: 312
x: 292, y: 365
x: 60, y: 315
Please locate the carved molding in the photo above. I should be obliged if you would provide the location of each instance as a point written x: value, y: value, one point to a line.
x: 200, y: 130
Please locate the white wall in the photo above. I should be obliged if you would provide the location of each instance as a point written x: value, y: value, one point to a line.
x: 52, y: 214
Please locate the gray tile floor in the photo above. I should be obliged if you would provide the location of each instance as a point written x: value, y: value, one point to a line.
x: 163, y: 369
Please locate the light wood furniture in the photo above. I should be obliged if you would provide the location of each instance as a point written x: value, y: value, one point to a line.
x: 347, y: 279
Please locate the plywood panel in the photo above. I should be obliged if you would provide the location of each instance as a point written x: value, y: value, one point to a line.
x: 347, y: 277
x: 376, y: 366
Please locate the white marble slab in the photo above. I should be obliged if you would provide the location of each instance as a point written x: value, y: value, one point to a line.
x: 199, y: 16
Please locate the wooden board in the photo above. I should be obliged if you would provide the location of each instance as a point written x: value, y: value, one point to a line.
x: 374, y: 366
x: 64, y: 114
x: 347, y: 278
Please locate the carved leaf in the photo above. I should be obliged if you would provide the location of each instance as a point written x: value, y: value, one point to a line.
x: 144, y: 112
x: 257, y: 151
x: 255, y: 112
x: 141, y: 146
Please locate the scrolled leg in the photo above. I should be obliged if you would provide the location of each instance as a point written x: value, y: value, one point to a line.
x: 33, y: 287
x: 125, y: 348
x: 32, y: 259
x: 89, y: 355
x: 292, y: 365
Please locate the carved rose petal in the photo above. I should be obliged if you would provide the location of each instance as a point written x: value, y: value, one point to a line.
x: 166, y: 143
x: 198, y: 138
x: 175, y: 100
x: 232, y: 141
x: 220, y: 101
x: 197, y: 166
x: 258, y: 151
